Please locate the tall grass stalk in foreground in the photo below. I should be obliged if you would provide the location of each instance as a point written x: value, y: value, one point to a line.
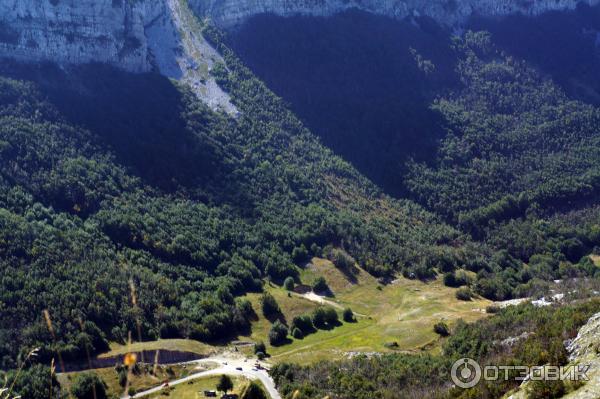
x: 5, y: 393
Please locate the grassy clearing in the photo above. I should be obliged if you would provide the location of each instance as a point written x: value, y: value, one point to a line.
x: 194, y: 389
x: 291, y: 306
x: 595, y: 259
x: 140, y: 381
x: 184, y: 345
x: 403, y: 312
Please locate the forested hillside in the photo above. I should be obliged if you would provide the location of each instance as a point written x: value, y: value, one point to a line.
x: 519, y: 162
x: 127, y: 205
x: 361, y: 82
x: 521, y: 335
x: 503, y: 147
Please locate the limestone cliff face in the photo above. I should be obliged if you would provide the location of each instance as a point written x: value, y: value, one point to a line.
x: 124, y: 32
x: 78, y: 31
x: 136, y: 35
x: 229, y: 13
x: 164, y: 35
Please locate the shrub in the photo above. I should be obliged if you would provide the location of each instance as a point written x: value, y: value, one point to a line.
x: 341, y: 259
x: 278, y: 334
x: 269, y: 305
x: 457, y: 279
x: 303, y: 323
x: 546, y: 389
x: 492, y: 309
x: 289, y: 284
x: 300, y: 254
x: 348, y: 315
x: 464, y: 294
x: 260, y: 347
x: 442, y: 329
x: 89, y: 386
x: 297, y: 333
x: 320, y: 285
x: 325, y: 317
x: 316, y: 250
x: 253, y: 391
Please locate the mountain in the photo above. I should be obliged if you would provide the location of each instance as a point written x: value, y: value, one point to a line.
x: 117, y: 186
x: 163, y: 161
x: 141, y: 35
x: 231, y: 13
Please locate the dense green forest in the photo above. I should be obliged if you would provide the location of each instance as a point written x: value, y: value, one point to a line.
x: 519, y: 161
x: 542, y: 332
x: 361, y: 82
x: 126, y: 203
x: 505, y: 152
x: 565, y: 46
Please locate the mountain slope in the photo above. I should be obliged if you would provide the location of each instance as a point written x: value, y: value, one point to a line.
x: 157, y: 197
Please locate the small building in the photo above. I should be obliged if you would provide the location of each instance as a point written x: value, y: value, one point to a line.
x: 210, y: 394
x: 230, y: 396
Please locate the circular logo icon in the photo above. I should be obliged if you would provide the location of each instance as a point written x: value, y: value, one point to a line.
x: 466, y: 373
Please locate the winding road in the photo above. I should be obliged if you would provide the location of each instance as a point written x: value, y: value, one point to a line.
x: 226, y: 366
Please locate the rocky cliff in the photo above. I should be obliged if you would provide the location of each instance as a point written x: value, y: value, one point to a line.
x: 584, y: 350
x: 228, y: 13
x: 163, y: 35
x: 136, y: 35
x: 78, y: 31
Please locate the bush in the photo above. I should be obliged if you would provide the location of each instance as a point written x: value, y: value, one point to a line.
x: 464, y: 294
x: 297, y: 333
x: 278, y: 334
x: 89, y: 386
x: 325, y: 317
x: 304, y: 324
x: 225, y: 384
x: 348, y: 315
x: 457, y: 279
x: 341, y: 259
x: 253, y: 391
x: 442, y: 329
x: 320, y: 285
x: 289, y: 284
x: 492, y: 309
x: 269, y: 305
x: 31, y: 383
x: 260, y: 347
x: 300, y: 254
x: 450, y: 280
x: 546, y: 389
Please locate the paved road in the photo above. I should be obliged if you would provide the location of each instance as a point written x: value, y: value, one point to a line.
x: 226, y: 366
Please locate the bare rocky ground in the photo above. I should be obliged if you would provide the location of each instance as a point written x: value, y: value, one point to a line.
x: 584, y: 350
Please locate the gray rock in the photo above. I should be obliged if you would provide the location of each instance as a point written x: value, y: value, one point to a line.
x: 229, y: 13
x: 159, y: 35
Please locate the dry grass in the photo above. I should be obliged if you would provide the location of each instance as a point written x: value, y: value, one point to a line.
x: 139, y: 382
x: 194, y: 389
x: 184, y: 345
x: 403, y: 312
